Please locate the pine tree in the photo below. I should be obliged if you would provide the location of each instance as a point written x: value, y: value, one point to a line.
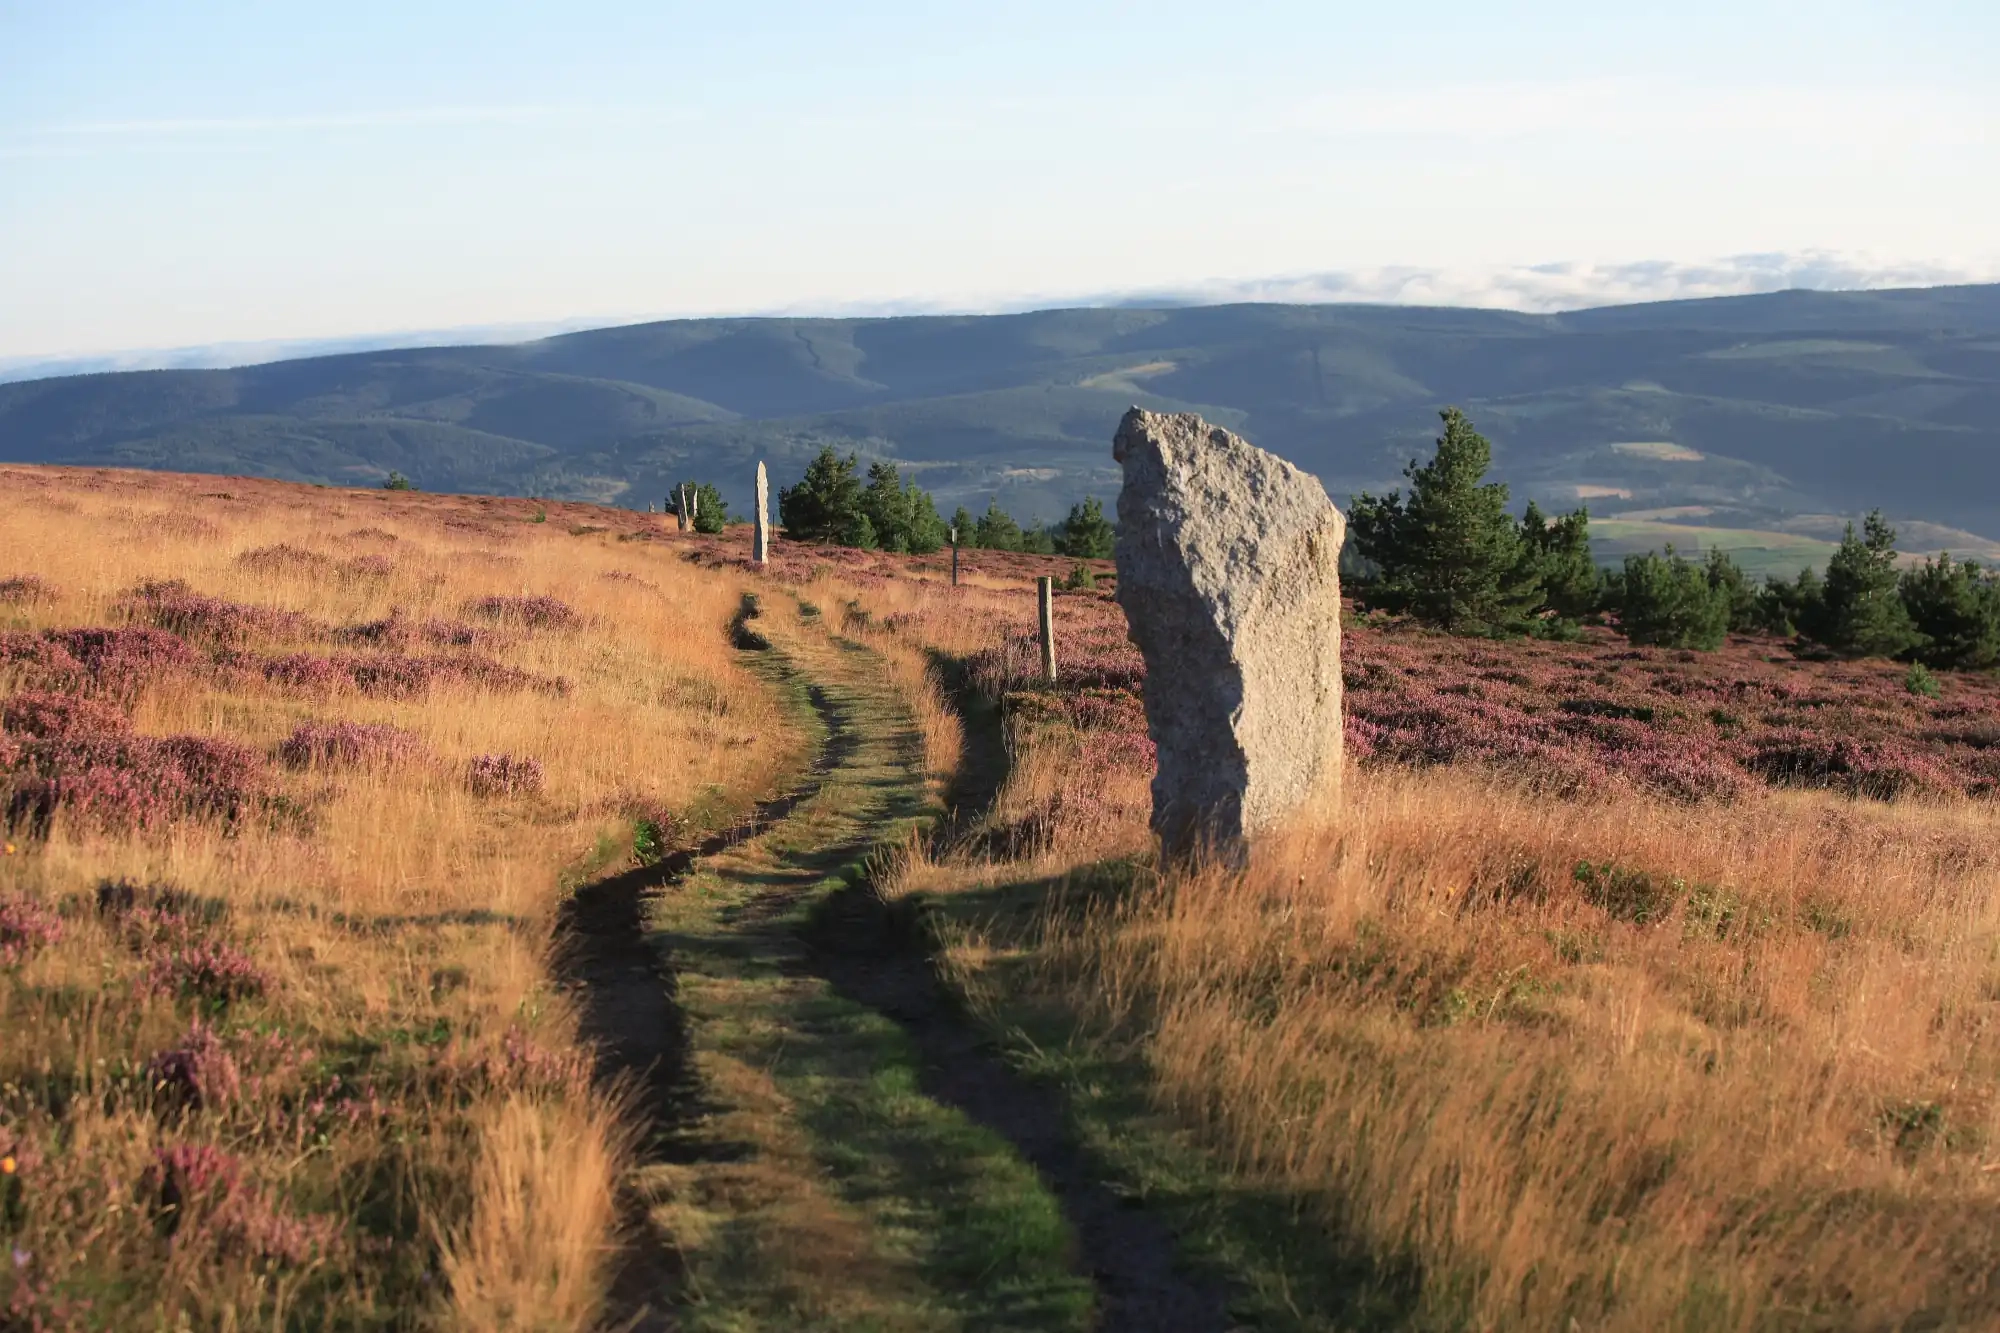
x: 824, y: 505
x: 1727, y: 577
x: 1783, y: 605
x: 887, y: 505
x: 962, y: 523
x: 927, y: 531
x: 1955, y: 609
x: 995, y: 531
x: 1557, y: 557
x: 1859, y: 613
x: 1449, y: 555
x: 1086, y: 533
x: 711, y: 514
x: 1668, y: 600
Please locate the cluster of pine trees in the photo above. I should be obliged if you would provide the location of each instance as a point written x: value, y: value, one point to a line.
x: 831, y: 505
x: 1449, y: 554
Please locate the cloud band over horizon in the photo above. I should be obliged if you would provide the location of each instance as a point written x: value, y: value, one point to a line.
x: 1530, y: 289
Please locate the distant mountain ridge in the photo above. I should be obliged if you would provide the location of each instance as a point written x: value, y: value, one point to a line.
x: 1751, y: 412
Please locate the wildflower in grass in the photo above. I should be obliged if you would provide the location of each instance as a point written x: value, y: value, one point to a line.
x: 503, y: 775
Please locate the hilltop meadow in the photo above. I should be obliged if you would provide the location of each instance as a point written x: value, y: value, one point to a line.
x: 443, y: 912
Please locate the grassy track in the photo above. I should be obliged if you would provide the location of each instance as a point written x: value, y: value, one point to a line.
x: 814, y: 1185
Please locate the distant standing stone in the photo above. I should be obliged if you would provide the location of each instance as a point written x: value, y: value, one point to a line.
x: 1229, y: 573
x: 760, y: 537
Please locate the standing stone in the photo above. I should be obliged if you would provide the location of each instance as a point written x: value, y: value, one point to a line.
x: 760, y: 536
x: 1229, y: 573
x: 1045, y: 597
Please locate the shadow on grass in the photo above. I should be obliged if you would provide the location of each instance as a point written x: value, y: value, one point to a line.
x: 1287, y: 1267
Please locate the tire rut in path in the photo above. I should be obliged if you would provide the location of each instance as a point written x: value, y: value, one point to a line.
x: 877, y: 957
x: 624, y: 989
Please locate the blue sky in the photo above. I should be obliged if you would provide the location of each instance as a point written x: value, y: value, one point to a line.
x: 193, y: 173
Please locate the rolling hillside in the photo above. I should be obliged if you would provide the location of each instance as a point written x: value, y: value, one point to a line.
x: 1772, y: 416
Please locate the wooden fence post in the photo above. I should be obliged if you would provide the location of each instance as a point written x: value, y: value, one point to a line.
x: 1045, y: 589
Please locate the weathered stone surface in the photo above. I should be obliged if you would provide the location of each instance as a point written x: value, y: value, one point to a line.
x: 1228, y: 570
x: 760, y: 537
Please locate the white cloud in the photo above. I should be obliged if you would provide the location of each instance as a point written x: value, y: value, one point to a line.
x: 1546, y: 288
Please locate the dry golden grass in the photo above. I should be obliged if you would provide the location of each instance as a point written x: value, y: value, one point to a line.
x: 441, y: 1119
x: 1741, y: 1071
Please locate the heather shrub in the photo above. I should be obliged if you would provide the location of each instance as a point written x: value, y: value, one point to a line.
x: 25, y: 928
x: 367, y: 567
x: 119, y: 780
x: 529, y: 612
x: 201, y: 1202
x: 1795, y: 756
x: 117, y: 661
x: 37, y: 657
x: 26, y: 590
x: 171, y: 605
x: 308, y: 673
x: 398, y: 632
x: 400, y: 676
x: 209, y: 970
x: 200, y: 1072
x: 149, y: 915
x: 284, y: 558
x: 397, y: 677
x: 45, y: 714
x: 503, y: 775
x: 345, y: 745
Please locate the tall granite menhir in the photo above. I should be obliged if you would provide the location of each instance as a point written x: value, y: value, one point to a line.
x: 1229, y: 573
x: 760, y: 535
